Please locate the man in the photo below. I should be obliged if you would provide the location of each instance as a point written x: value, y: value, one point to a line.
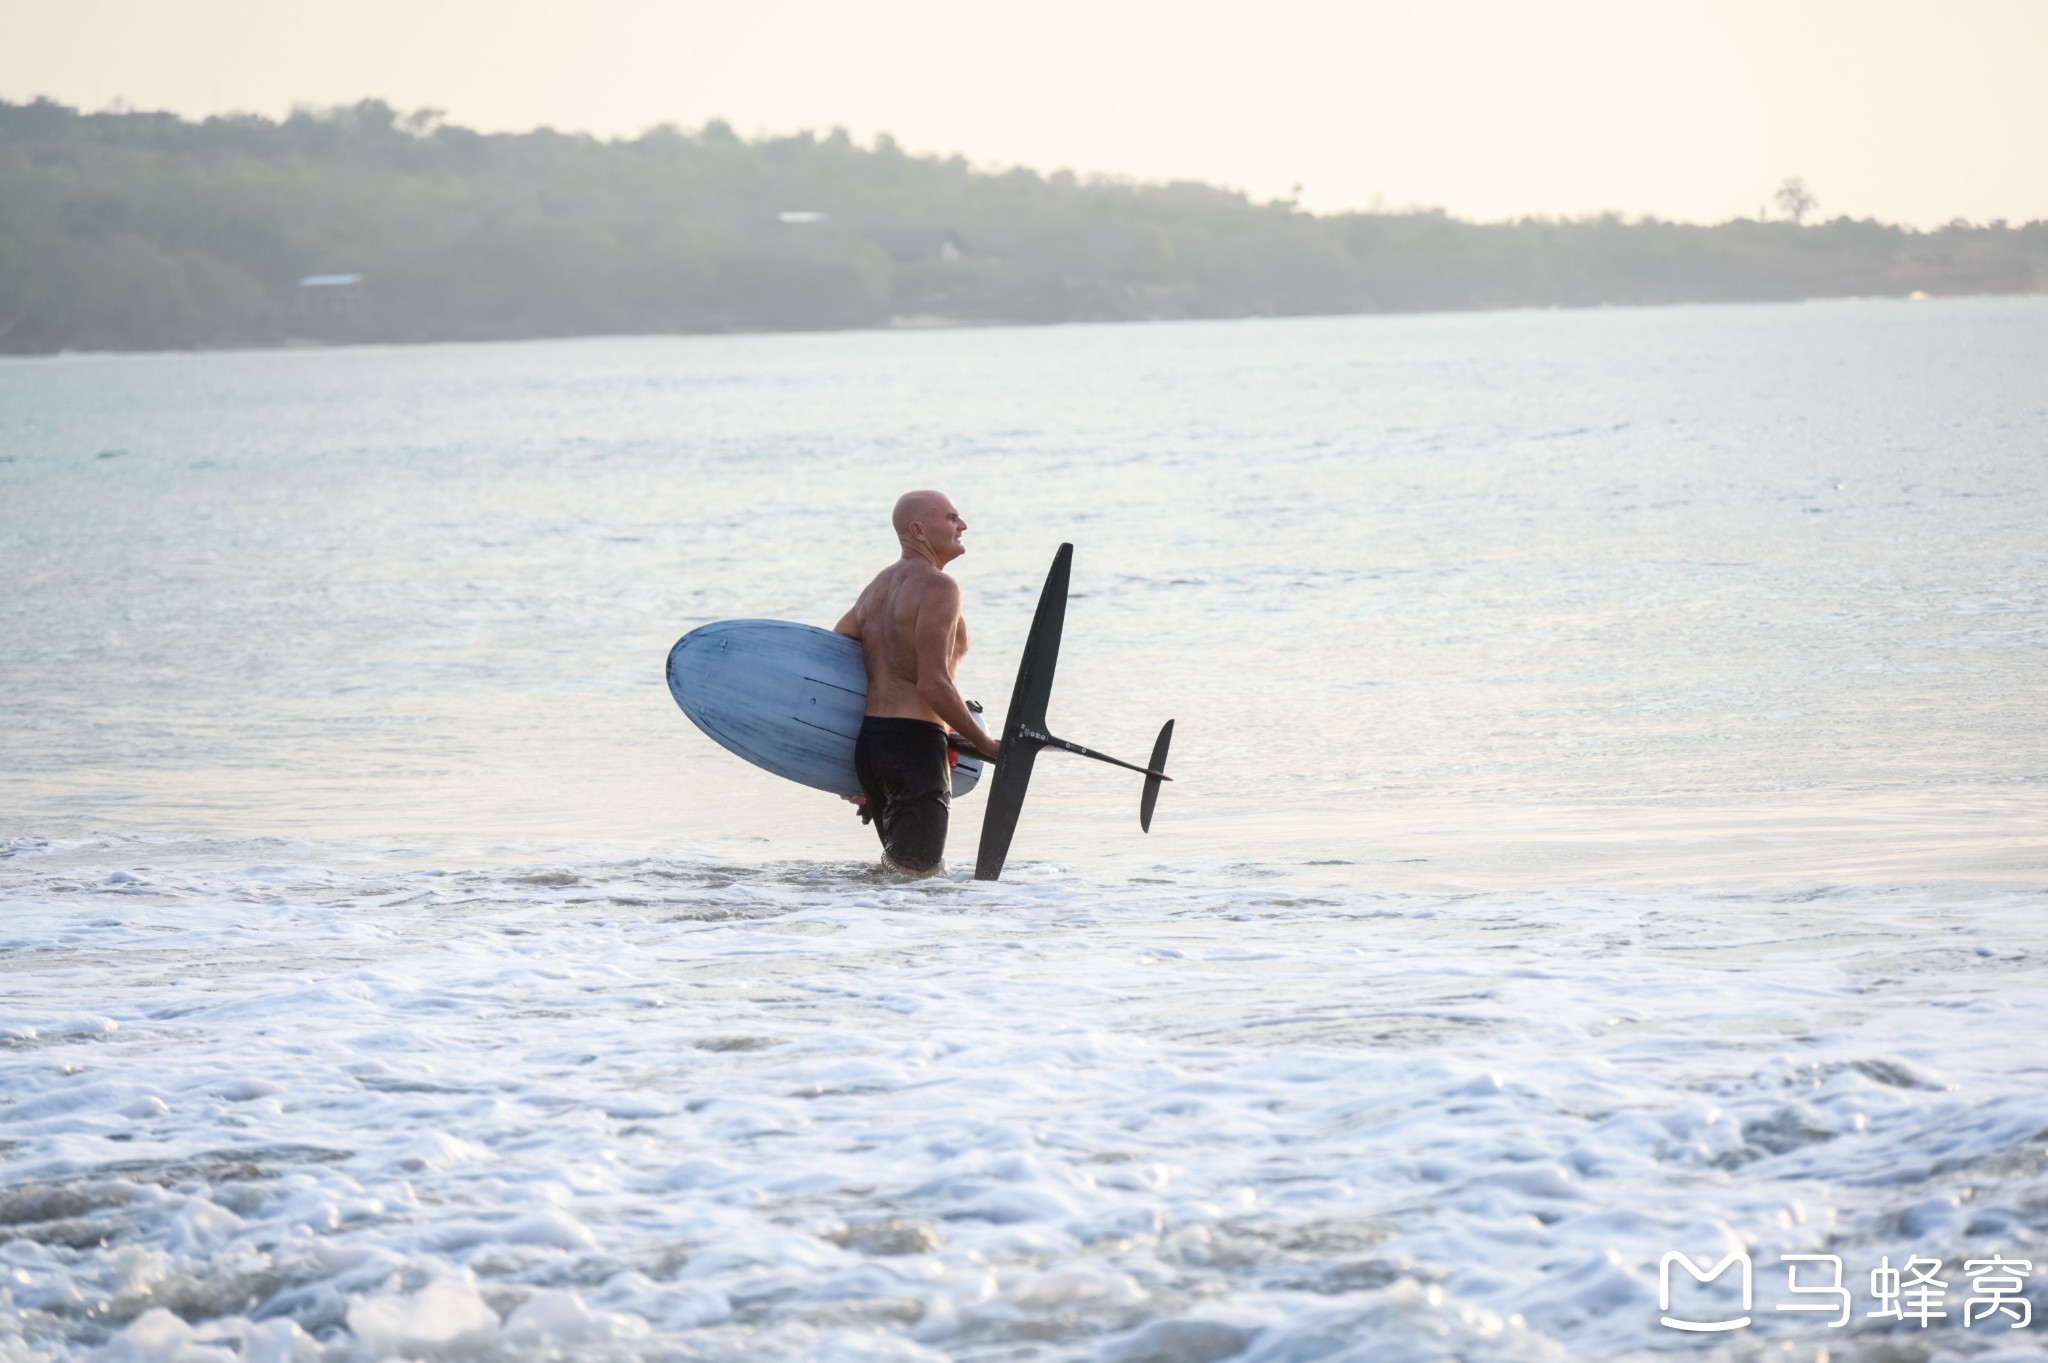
x: 912, y: 637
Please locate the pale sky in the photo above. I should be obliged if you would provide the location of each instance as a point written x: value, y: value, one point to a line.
x: 1915, y: 111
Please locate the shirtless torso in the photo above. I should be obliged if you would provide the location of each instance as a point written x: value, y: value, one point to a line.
x: 912, y: 634
x: 912, y: 638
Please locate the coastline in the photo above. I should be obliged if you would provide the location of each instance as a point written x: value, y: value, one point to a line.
x: 919, y: 326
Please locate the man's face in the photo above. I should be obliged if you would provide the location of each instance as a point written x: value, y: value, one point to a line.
x: 943, y: 527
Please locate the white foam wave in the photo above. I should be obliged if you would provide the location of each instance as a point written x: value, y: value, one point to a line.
x: 350, y: 1108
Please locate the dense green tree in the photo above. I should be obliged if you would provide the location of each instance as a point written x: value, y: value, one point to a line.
x: 145, y: 230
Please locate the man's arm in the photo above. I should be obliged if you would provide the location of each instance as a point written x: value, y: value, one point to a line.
x: 938, y: 621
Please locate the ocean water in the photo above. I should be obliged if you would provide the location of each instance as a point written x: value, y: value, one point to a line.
x: 1612, y: 820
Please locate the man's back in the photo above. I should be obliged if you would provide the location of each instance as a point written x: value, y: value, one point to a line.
x: 904, y: 596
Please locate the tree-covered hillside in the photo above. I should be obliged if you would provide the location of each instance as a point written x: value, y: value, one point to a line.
x: 140, y: 230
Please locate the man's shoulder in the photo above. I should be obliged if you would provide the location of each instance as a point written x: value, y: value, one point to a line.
x: 916, y: 585
x: 936, y: 587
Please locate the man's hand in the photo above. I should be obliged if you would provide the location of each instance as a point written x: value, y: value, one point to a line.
x: 987, y: 746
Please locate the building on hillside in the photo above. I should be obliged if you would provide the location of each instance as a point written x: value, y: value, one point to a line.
x: 322, y: 309
x: 328, y: 295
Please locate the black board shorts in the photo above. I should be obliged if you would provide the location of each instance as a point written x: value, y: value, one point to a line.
x: 907, y: 778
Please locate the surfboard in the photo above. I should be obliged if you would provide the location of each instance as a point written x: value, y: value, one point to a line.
x: 786, y: 697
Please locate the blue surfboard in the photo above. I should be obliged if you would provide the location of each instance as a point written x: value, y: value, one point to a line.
x: 786, y: 697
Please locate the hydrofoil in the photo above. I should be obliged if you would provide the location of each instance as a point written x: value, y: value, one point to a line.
x: 1024, y: 730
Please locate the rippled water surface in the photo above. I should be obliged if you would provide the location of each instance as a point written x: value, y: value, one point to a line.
x: 1614, y: 775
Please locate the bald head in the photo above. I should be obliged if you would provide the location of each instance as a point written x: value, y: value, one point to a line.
x: 929, y: 526
x: 918, y: 507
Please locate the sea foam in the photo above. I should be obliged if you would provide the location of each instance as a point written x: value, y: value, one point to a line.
x: 364, y: 1107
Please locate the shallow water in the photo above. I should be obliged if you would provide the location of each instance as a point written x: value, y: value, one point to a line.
x: 1611, y: 822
